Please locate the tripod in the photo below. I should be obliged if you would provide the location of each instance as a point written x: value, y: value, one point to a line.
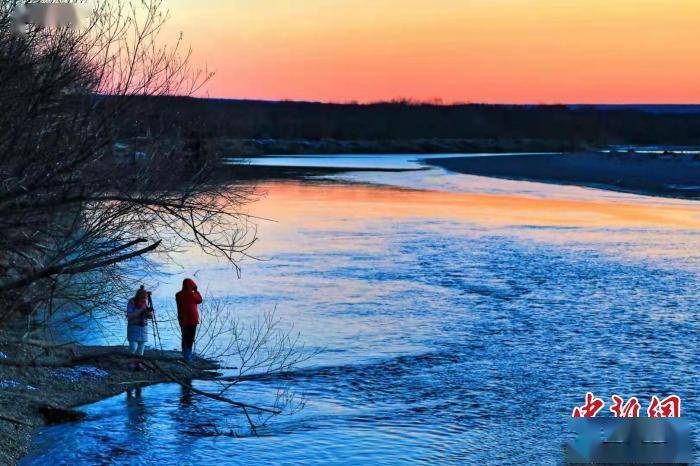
x: 156, y: 332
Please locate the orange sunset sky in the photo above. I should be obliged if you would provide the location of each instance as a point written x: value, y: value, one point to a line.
x: 499, y: 51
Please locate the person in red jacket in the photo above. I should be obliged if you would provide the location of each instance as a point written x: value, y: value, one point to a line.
x: 188, y: 300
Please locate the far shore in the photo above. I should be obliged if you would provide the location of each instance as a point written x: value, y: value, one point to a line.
x: 267, y: 146
x: 245, y: 173
x: 667, y: 175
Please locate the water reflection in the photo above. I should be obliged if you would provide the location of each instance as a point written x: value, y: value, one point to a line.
x: 186, y: 396
x: 137, y: 414
x: 294, y: 203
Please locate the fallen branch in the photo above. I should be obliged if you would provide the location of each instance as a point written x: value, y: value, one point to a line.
x: 57, y: 415
x: 39, y: 343
x: 38, y: 400
x: 243, y: 406
x: 52, y: 413
x: 15, y: 421
x: 80, y: 265
x: 90, y: 357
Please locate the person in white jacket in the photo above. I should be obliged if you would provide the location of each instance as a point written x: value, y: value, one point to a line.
x: 137, y: 313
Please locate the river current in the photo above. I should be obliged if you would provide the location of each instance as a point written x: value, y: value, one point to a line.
x: 459, y: 320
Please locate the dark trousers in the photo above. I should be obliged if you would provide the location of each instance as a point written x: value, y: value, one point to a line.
x: 188, y: 333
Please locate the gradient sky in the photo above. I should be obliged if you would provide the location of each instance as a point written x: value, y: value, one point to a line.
x: 500, y: 51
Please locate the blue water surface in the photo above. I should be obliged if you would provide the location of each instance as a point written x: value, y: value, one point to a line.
x: 444, y: 342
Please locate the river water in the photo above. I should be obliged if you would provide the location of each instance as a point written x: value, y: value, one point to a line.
x: 460, y: 320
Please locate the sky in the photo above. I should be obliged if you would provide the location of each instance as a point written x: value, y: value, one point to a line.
x: 495, y: 51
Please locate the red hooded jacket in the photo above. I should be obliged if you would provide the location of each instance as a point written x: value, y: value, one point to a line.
x: 187, y: 301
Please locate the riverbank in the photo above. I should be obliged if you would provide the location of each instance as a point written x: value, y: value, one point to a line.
x: 242, y: 172
x: 229, y: 147
x: 670, y: 175
x: 41, y: 383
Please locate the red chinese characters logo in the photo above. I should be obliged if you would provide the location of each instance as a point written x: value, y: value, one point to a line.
x: 629, y: 409
x: 668, y: 407
x: 591, y: 408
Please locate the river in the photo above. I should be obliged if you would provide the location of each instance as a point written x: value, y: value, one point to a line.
x: 460, y: 320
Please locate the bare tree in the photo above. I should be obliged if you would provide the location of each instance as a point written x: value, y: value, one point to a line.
x: 89, y: 199
x: 79, y: 215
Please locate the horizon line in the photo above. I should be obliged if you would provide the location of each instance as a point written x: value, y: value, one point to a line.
x: 437, y: 103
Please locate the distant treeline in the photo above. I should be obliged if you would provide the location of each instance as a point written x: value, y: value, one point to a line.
x: 402, y: 120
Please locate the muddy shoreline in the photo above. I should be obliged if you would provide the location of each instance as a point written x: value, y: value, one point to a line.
x: 663, y: 175
x: 41, y: 384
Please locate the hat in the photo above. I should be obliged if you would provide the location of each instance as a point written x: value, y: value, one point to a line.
x: 141, y: 293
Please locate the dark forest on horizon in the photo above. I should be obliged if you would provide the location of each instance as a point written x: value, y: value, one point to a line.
x: 571, y: 126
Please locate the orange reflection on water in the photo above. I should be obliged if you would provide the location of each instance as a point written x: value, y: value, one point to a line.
x: 300, y: 204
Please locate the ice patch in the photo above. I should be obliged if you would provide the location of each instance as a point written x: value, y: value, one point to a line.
x: 9, y: 384
x: 78, y: 373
